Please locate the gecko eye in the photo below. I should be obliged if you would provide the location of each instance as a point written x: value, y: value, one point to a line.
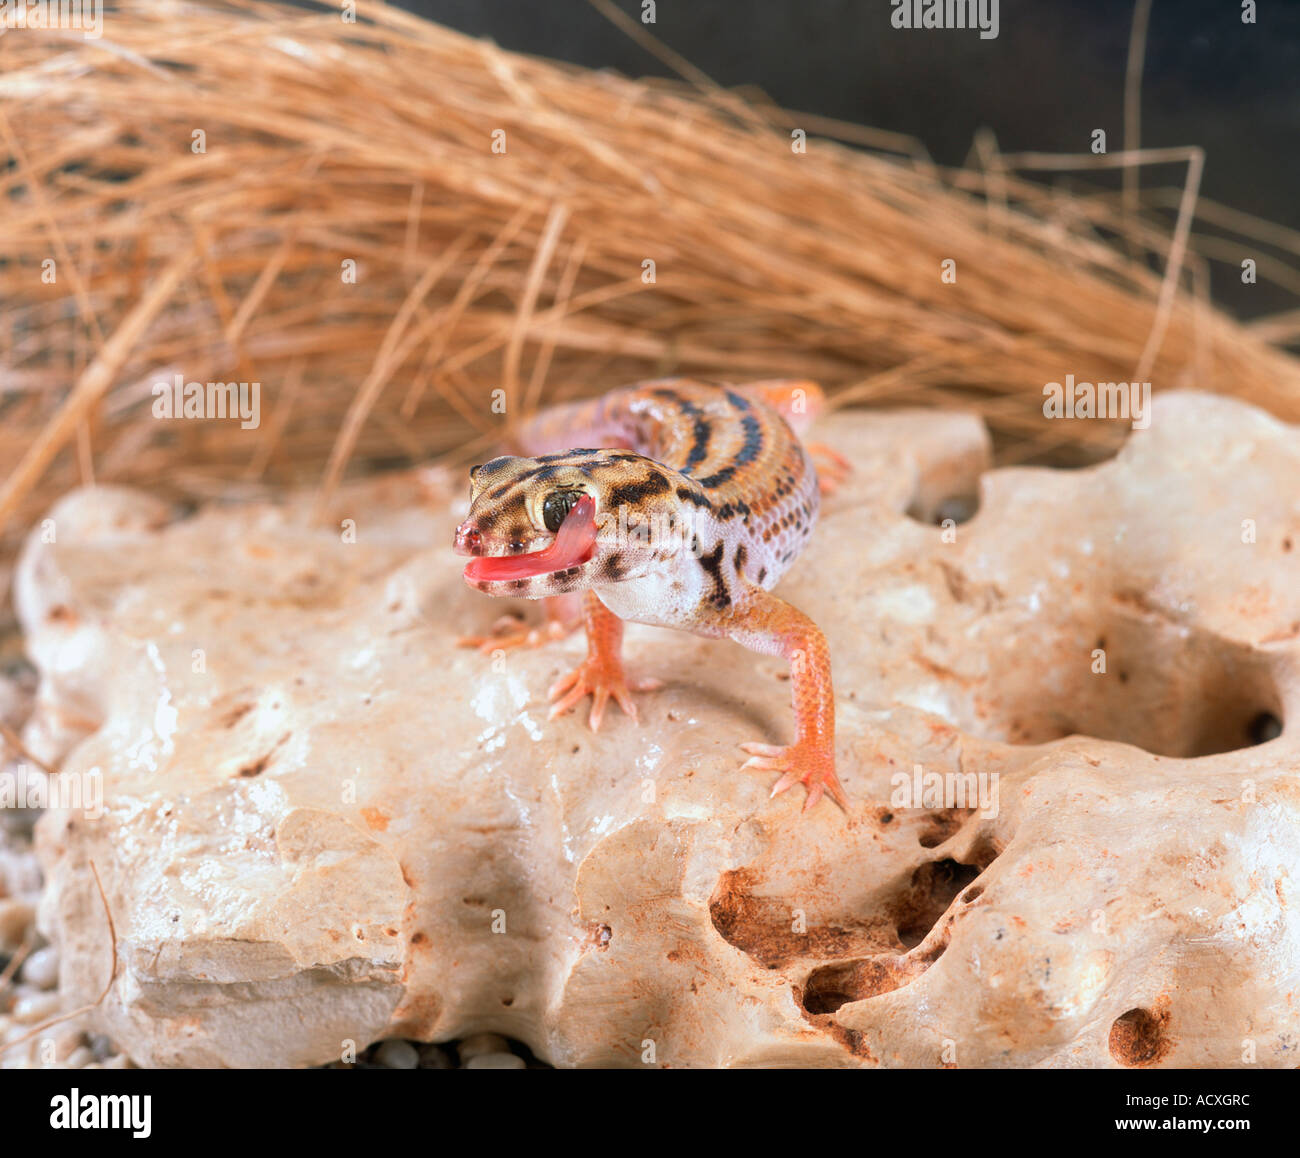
x: 557, y: 506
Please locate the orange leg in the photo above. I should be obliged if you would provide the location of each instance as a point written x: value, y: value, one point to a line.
x: 562, y: 620
x: 601, y: 675
x: 768, y: 624
x: 832, y: 467
x: 797, y: 401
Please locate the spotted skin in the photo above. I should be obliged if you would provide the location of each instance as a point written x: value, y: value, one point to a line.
x: 704, y: 497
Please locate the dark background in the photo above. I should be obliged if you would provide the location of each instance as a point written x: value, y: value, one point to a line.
x: 1053, y: 75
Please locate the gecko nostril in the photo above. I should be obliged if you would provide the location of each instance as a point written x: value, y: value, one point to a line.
x: 468, y: 538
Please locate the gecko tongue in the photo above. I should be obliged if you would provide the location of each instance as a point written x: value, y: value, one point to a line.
x: 573, y: 544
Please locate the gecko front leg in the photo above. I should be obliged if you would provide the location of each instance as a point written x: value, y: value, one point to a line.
x: 766, y: 623
x: 601, y: 675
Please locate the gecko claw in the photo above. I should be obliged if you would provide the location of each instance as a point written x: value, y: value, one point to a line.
x: 799, y: 764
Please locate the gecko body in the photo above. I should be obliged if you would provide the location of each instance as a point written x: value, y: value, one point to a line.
x: 684, y: 505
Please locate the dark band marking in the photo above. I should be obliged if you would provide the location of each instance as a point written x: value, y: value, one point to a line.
x: 616, y: 567
x: 731, y: 510
x: 685, y: 405
x: 712, y: 564
x: 753, y: 444
x: 749, y: 450
x: 700, y: 448
x: 635, y: 492
x: 689, y: 496
x: 561, y: 456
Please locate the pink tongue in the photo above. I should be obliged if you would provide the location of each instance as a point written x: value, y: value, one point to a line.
x: 573, y: 544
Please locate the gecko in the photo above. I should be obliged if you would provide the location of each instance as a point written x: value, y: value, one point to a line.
x: 685, y: 505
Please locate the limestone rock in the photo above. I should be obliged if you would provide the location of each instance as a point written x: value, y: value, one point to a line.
x: 323, y: 823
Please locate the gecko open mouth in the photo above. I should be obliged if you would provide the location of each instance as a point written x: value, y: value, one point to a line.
x: 572, y: 546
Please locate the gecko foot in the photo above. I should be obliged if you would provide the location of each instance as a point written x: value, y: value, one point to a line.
x: 832, y: 467
x: 799, y: 764
x: 602, y: 678
x: 509, y: 633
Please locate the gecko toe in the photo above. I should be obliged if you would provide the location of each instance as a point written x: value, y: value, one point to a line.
x: 603, y: 683
x: 559, y: 687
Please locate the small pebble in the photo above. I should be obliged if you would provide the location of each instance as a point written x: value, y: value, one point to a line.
x: 397, y: 1055
x: 495, y: 1061
x: 32, y: 1008
x: 479, y: 1043
x: 42, y: 968
x: 15, y: 918
x: 434, y: 1057
x: 79, y: 1058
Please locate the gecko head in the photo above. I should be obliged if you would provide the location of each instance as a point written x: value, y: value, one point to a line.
x: 546, y: 526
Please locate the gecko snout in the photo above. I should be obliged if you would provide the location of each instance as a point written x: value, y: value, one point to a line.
x: 469, y: 540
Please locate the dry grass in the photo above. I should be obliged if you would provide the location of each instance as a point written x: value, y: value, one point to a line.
x: 372, y: 142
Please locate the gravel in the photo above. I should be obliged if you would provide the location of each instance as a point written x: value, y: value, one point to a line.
x: 496, y: 1061
x: 479, y: 1051
x: 33, y: 1008
x: 29, y: 997
x: 16, y: 918
x: 42, y: 968
x: 481, y: 1043
x: 434, y: 1057
x: 398, y: 1055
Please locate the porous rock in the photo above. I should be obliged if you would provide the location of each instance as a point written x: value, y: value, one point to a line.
x: 324, y: 823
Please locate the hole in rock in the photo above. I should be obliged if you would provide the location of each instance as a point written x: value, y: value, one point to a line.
x: 1139, y: 1037
x: 933, y: 887
x: 983, y: 851
x: 941, y: 825
x: 1167, y: 687
x: 960, y: 508
x: 256, y: 768
x: 765, y: 927
x: 831, y: 986
x: 948, y: 484
x: 1265, y: 727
